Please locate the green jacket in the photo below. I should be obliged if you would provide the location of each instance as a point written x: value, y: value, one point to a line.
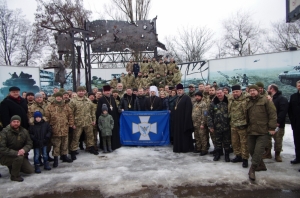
x: 106, y: 124
x: 11, y: 141
x: 261, y: 116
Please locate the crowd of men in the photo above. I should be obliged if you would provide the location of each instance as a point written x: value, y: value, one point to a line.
x: 242, y: 121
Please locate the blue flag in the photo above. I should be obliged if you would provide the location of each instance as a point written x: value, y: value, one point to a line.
x: 144, y: 128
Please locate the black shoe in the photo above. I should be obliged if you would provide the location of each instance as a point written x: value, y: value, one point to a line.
x: 18, y: 179
x: 66, y: 159
x: 227, y: 159
x: 203, y: 153
x: 217, y: 155
x: 55, y: 163
x: 245, y: 163
x: 295, y: 161
x: 46, y: 166
x: 73, y: 155
x: 109, y: 149
x: 93, y: 151
x: 104, y: 149
x: 237, y: 159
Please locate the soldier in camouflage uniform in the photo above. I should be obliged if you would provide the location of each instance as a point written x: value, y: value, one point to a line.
x: 60, y: 119
x: 139, y: 81
x: 154, y: 64
x: 144, y: 65
x: 113, y: 83
x: 29, y: 98
x: 161, y: 68
x: 208, y: 99
x: 199, y: 115
x: 122, y: 79
x: 95, y: 128
x: 129, y: 80
x: 218, y: 123
x: 192, y: 91
x: 177, y: 76
x: 120, y: 90
x: 261, y: 88
x: 158, y: 81
x: 38, y: 105
x: 85, y: 118
x: 171, y: 66
x: 237, y: 109
x: 129, y: 66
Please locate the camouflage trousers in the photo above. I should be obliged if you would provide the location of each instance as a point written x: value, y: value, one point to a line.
x: 60, y: 145
x: 201, y: 138
x: 239, y: 141
x: 211, y: 135
x: 76, y: 136
x: 278, y: 137
x: 222, y: 139
x: 95, y: 132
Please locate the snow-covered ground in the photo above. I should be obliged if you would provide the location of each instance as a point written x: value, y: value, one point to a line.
x: 130, y: 169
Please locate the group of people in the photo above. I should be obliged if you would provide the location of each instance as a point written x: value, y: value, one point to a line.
x: 242, y: 121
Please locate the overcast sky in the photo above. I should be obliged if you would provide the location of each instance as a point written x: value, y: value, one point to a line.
x: 175, y: 14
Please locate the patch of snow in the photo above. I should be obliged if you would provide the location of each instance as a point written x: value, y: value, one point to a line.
x: 129, y: 169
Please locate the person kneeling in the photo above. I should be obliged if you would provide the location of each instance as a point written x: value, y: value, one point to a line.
x: 40, y: 134
x: 15, y: 143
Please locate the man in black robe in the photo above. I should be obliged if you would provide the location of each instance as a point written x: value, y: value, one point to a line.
x: 182, y: 124
x: 113, y: 111
x: 153, y: 103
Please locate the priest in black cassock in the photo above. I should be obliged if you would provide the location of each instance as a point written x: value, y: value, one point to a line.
x: 113, y: 111
x: 182, y: 124
x: 153, y: 103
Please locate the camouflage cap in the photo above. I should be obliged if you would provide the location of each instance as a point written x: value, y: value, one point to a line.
x: 62, y: 90
x: 253, y: 87
x: 191, y: 85
x: 260, y: 84
x: 81, y: 88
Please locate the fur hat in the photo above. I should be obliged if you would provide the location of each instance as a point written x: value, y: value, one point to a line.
x: 260, y: 84
x: 37, y: 114
x: 15, y: 117
x: 253, y: 87
x: 236, y: 87
x: 199, y: 93
x: 106, y: 88
x: 104, y: 107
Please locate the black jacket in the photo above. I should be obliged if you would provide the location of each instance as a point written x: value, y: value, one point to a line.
x: 165, y: 103
x: 10, y: 107
x: 294, y: 109
x: 282, y: 105
x: 124, y: 104
x: 139, y: 103
x: 40, y: 133
x: 136, y: 68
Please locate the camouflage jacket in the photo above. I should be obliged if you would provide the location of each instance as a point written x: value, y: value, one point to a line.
x: 161, y: 69
x: 122, y: 80
x: 218, y: 118
x: 261, y: 116
x: 121, y: 93
x: 169, y: 79
x: 209, y: 99
x: 129, y: 81
x: 237, y: 109
x: 60, y: 118
x: 37, y: 107
x: 144, y: 67
x: 192, y: 96
x: 171, y: 66
x: 129, y: 67
x: 11, y: 141
x: 139, y: 82
x: 113, y: 83
x: 154, y: 65
x: 177, y: 78
x: 199, y: 113
x: 83, y: 111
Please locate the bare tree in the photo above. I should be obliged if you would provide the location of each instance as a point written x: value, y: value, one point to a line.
x: 131, y: 10
x: 284, y: 35
x: 240, y: 31
x: 12, y: 25
x: 191, y: 43
x: 220, y: 51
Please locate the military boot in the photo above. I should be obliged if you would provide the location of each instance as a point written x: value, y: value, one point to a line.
x: 237, y: 159
x: 277, y: 157
x: 261, y: 166
x: 37, y: 168
x: 47, y: 166
x: 217, y: 155
x: 203, y: 153
x: 252, y: 172
x: 73, y: 155
x: 93, y: 151
x: 104, y: 149
x: 109, y: 149
x: 245, y: 163
x: 267, y: 154
x: 16, y: 178
x: 227, y: 159
x: 55, y: 163
x: 66, y: 159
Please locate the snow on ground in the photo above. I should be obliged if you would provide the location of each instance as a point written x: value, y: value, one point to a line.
x: 129, y: 169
